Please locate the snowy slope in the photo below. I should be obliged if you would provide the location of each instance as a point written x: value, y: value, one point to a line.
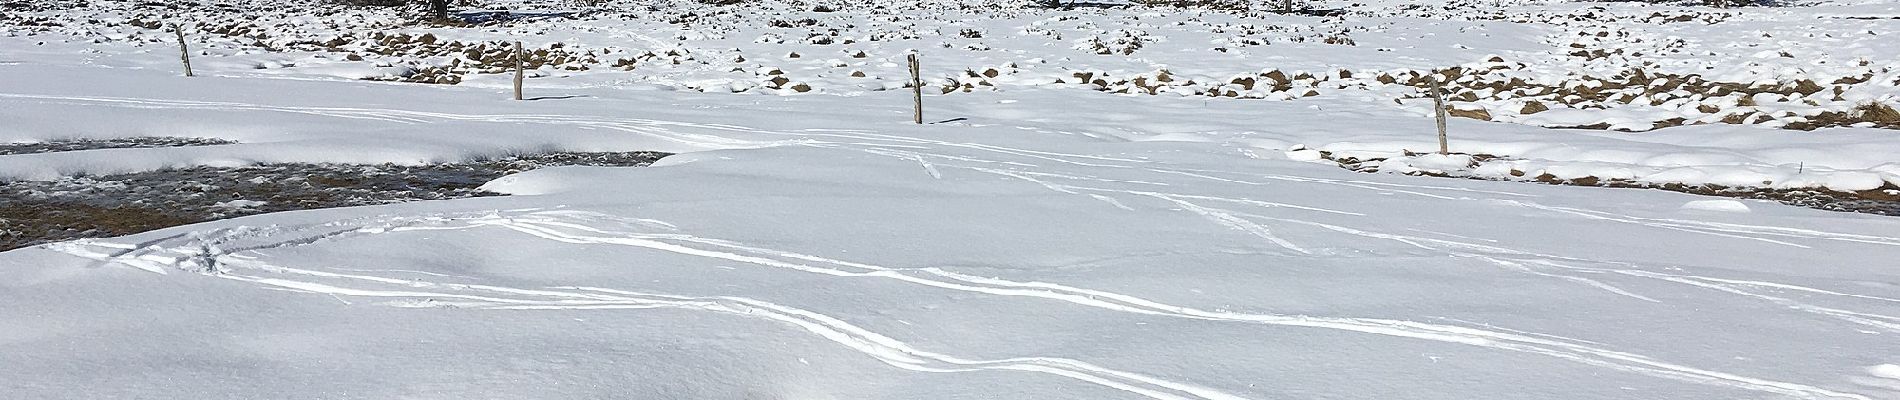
x: 1043, y: 241
x: 832, y: 250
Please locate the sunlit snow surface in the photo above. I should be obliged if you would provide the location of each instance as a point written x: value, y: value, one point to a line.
x: 1045, y: 243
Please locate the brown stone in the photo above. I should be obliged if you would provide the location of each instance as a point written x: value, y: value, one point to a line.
x: 1479, y: 114
x: 1533, y: 108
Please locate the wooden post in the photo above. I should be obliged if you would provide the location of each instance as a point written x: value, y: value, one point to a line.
x: 1438, y: 111
x: 916, y: 90
x: 520, y: 53
x: 1286, y: 6
x: 439, y: 10
x: 184, y: 53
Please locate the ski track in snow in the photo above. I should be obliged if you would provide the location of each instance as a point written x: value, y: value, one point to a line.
x: 216, y: 252
x: 883, y: 348
x: 1525, y: 260
x: 208, y: 253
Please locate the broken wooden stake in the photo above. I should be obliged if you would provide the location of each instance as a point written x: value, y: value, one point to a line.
x: 916, y: 90
x: 520, y: 53
x: 1438, y: 111
x: 184, y: 52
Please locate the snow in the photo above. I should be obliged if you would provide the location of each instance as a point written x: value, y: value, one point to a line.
x: 1729, y: 206
x: 1017, y: 254
x: 239, y: 204
x: 1042, y: 241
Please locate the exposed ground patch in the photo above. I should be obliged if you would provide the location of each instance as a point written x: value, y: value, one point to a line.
x: 1881, y: 201
x: 142, y: 142
x: 36, y: 212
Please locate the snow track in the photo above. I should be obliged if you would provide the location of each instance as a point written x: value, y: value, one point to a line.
x: 204, y: 252
x: 885, y: 349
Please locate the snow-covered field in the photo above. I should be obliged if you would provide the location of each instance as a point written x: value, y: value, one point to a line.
x: 1050, y: 238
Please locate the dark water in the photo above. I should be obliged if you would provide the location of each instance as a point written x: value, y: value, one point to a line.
x: 36, y: 212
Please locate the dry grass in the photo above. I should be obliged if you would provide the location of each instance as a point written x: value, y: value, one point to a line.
x: 28, y: 223
x: 1878, y: 113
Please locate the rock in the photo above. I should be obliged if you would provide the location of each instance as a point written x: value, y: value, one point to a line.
x: 1532, y: 107
x: 1279, y: 78
x: 1478, y: 114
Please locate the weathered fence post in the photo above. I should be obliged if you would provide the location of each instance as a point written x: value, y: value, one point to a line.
x: 439, y: 10
x: 520, y: 53
x: 1438, y: 111
x: 184, y: 53
x: 916, y: 90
